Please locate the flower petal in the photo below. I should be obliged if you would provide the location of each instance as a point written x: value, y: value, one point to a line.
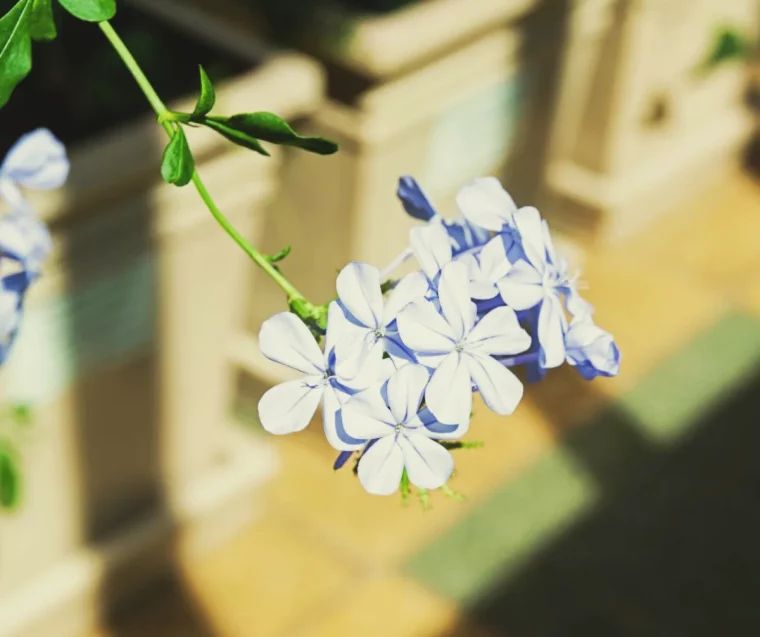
x: 381, y: 466
x: 431, y: 246
x: 454, y: 297
x: 522, y: 288
x: 438, y: 431
x: 493, y: 260
x: 37, y: 160
x: 412, y: 287
x: 290, y: 406
x: 366, y: 415
x: 332, y: 421
x: 358, y: 286
x: 551, y: 332
x: 340, y: 329
x: 498, y: 332
x: 286, y: 340
x: 427, y: 463
x: 485, y: 203
x: 405, y: 390
x: 423, y: 329
x: 449, y: 393
x: 500, y: 389
x: 530, y: 228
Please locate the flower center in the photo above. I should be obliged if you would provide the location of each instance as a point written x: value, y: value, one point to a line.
x: 398, y: 428
x: 459, y: 347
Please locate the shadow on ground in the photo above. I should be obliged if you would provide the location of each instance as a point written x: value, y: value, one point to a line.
x: 670, y: 547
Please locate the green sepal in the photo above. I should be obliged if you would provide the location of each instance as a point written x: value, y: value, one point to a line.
x: 207, y: 98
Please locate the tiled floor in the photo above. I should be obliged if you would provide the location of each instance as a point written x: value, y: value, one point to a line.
x: 613, y: 508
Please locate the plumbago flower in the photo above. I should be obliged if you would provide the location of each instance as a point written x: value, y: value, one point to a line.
x: 36, y: 161
x: 398, y: 371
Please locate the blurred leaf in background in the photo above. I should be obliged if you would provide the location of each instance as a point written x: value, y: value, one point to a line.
x: 729, y: 45
x: 10, y: 479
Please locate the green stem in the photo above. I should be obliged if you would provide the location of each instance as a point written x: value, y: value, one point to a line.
x: 161, y: 111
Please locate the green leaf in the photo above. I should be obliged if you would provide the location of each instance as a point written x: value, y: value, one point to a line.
x: 10, y: 480
x: 178, y: 164
x: 90, y: 10
x: 42, y: 24
x: 15, y: 48
x: 280, y: 255
x: 207, y: 98
x: 235, y: 136
x: 268, y: 127
x: 729, y: 45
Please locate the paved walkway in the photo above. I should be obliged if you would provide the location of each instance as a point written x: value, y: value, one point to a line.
x: 618, y: 507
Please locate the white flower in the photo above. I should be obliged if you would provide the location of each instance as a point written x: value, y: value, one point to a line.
x: 37, y: 161
x: 460, y: 351
x: 361, y: 298
x: 540, y: 278
x: 403, y: 436
x: 290, y: 406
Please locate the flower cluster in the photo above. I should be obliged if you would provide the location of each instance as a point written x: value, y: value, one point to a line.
x: 397, y: 372
x: 37, y: 161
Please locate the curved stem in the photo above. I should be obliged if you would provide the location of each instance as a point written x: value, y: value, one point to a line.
x: 161, y: 111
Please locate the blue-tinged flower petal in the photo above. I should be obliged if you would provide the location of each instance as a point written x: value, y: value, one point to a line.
x: 381, y: 466
x: 25, y: 239
x: 449, y: 393
x: 12, y: 290
x: 465, y: 235
x: 290, y: 406
x: 414, y: 200
x: 485, y: 203
x: 424, y: 330
x: 498, y: 333
x: 431, y: 247
x: 531, y: 230
x: 522, y: 288
x: 405, y: 390
x: 454, y: 297
x: 500, y: 389
x: 438, y: 431
x: 358, y: 286
x: 37, y: 160
x: 591, y: 350
x: 485, y: 271
x: 427, y: 463
x: 332, y: 421
x: 285, y: 339
x: 412, y: 287
x: 552, y: 326
x: 366, y: 415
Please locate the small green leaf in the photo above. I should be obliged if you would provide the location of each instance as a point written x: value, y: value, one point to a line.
x: 268, y: 127
x: 90, y: 10
x: 405, y: 488
x: 15, y: 48
x: 10, y: 480
x: 207, y: 98
x: 42, y: 25
x: 280, y: 255
x: 235, y: 136
x: 178, y: 164
x: 729, y: 45
x: 21, y: 415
